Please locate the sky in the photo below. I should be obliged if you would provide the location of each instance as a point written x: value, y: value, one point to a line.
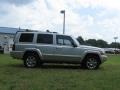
x: 98, y: 19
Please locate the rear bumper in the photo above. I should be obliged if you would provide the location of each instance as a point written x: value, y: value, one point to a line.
x: 103, y: 58
x: 1, y: 50
x: 17, y: 54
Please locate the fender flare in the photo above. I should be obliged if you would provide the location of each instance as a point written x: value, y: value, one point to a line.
x: 33, y: 50
x: 91, y: 52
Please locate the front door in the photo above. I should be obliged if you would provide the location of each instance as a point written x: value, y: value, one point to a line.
x: 65, y: 50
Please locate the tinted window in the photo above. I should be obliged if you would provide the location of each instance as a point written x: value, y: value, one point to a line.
x: 67, y: 42
x: 64, y: 40
x: 60, y: 41
x: 45, y: 38
x: 26, y: 37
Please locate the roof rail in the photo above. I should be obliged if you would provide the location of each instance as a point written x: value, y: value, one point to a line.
x: 28, y: 30
x: 54, y: 32
x: 50, y: 32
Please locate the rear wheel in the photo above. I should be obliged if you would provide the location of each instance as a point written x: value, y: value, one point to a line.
x: 31, y: 60
x: 91, y: 62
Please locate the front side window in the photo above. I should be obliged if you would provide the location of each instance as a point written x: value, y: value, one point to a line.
x: 67, y: 42
x: 45, y: 38
x: 26, y: 37
x: 64, y: 40
x: 60, y: 41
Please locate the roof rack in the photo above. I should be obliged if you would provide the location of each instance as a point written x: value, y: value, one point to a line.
x: 50, y: 32
x: 55, y: 32
x: 28, y: 30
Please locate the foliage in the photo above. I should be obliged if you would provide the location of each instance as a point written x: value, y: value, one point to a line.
x: 81, y: 40
x: 113, y: 44
x: 98, y: 43
x: 91, y: 42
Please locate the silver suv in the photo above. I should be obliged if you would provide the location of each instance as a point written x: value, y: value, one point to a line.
x: 36, y: 48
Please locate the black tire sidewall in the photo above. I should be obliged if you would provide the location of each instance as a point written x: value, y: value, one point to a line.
x: 84, y: 64
x: 30, y: 54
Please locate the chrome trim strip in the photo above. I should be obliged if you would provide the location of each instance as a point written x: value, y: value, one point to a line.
x: 62, y: 55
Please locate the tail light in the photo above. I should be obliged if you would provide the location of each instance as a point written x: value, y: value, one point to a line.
x: 13, y: 47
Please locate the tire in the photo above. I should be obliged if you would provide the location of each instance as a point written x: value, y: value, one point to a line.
x: 91, y: 62
x: 31, y: 60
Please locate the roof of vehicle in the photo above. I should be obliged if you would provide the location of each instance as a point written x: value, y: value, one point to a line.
x: 42, y: 32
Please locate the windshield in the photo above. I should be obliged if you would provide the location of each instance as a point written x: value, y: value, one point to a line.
x: 75, y: 40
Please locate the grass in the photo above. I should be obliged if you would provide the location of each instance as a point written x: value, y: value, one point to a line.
x: 14, y: 76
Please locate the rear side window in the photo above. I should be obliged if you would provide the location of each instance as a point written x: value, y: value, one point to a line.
x: 26, y: 37
x: 45, y: 38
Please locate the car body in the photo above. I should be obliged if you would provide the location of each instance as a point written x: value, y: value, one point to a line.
x: 112, y: 50
x: 1, y: 49
x: 109, y: 50
x: 35, y: 47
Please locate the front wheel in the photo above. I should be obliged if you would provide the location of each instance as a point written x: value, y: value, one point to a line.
x: 91, y: 62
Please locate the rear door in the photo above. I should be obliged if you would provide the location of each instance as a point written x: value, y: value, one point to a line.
x: 45, y: 45
x: 24, y: 40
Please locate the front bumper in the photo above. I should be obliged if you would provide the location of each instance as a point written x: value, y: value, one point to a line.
x: 103, y: 58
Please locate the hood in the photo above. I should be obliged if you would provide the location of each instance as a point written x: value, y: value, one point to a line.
x: 89, y: 47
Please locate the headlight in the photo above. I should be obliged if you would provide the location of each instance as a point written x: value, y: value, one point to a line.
x: 102, y: 52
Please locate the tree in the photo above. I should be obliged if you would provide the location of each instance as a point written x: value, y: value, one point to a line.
x: 114, y: 45
x: 102, y: 43
x: 91, y: 42
x: 98, y: 43
x: 81, y: 40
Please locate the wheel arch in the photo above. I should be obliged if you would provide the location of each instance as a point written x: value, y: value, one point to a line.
x: 34, y: 51
x: 92, y: 54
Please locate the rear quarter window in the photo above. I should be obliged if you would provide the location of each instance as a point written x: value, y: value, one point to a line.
x: 26, y: 37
